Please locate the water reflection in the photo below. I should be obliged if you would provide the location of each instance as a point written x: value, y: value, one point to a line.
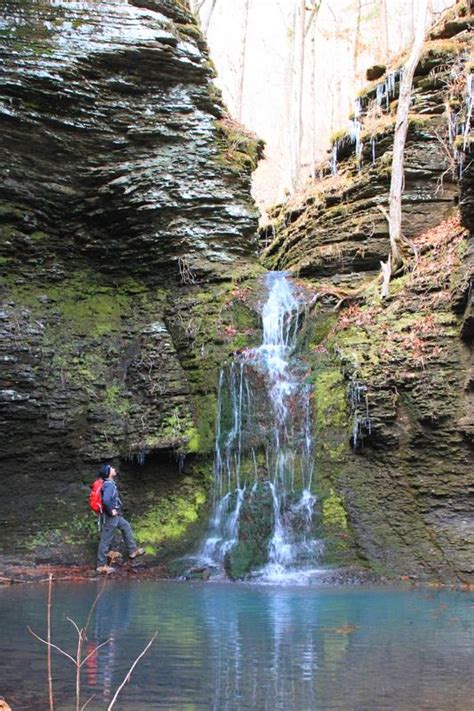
x: 235, y: 647
x: 110, y: 622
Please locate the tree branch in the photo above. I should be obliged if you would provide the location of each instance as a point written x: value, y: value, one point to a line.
x: 129, y: 673
x: 50, y: 644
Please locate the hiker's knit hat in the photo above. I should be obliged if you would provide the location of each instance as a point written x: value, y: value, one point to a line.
x: 104, y: 471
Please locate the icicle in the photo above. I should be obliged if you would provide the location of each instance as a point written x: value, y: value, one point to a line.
x: 359, y: 405
x: 334, y: 158
x: 468, y: 101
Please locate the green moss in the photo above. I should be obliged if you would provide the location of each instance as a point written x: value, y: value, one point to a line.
x: 338, y: 135
x: 462, y: 143
x: 330, y: 399
x: 255, y: 530
x: 174, y: 428
x: 10, y: 211
x: 193, y: 445
x: 169, y: 519
x: 203, y: 435
x: 334, y: 514
x: 38, y: 236
x: 417, y: 121
x: 440, y: 49
x: 85, y: 371
x: 115, y: 400
x: 321, y: 328
x: 191, y: 31
x: 241, y: 150
x: 94, y: 314
x: 77, y: 530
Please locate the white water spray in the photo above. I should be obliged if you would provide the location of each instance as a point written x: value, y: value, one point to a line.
x: 264, y: 445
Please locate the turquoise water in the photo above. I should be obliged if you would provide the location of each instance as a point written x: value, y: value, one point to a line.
x: 231, y: 647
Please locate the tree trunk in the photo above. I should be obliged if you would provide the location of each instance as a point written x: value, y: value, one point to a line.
x: 243, y: 53
x: 355, y: 55
x: 208, y: 18
x: 399, y: 140
x: 301, y: 68
x: 310, y: 27
x: 385, y: 31
x: 290, y: 100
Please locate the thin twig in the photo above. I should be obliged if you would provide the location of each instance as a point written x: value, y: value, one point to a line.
x: 129, y: 673
x: 87, y: 702
x: 78, y: 661
x: 94, y: 604
x: 50, y: 644
x: 24, y: 582
x: 75, y: 625
x: 91, y: 654
x: 50, y: 666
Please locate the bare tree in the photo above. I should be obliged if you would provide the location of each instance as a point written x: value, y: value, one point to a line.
x: 197, y: 6
x: 290, y: 100
x: 384, y: 29
x: 242, y: 60
x: 206, y: 24
x: 355, y: 55
x: 395, y: 259
x: 301, y: 72
x: 306, y: 29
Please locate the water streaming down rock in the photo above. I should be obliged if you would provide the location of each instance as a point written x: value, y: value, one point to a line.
x: 265, y: 515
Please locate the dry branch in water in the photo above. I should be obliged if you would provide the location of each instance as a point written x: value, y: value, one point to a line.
x: 129, y: 673
x: 50, y: 666
x: 78, y: 660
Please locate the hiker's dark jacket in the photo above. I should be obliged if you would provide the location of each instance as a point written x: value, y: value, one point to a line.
x: 110, y: 497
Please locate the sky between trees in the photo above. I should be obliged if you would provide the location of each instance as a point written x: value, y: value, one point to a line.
x: 290, y: 71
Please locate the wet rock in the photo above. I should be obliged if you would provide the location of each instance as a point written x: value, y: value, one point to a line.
x: 399, y: 459
x: 125, y: 203
x: 375, y: 72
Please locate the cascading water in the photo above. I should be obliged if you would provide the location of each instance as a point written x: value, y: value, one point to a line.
x: 263, y: 452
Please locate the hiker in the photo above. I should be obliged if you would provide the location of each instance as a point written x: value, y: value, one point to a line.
x: 112, y: 520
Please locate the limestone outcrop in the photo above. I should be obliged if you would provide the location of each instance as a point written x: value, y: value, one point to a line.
x: 393, y: 379
x: 129, y: 275
x: 125, y: 194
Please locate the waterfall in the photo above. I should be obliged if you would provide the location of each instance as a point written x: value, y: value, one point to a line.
x: 263, y: 452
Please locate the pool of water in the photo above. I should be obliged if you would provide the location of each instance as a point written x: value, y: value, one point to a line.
x: 231, y: 647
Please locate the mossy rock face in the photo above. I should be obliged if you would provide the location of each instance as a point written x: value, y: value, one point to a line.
x: 335, y: 229
x: 109, y: 371
x: 172, y: 525
x: 394, y: 500
x: 122, y: 250
x: 255, y: 530
x: 241, y: 149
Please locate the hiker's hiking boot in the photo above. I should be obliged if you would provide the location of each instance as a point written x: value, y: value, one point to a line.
x: 107, y: 569
x: 136, y: 553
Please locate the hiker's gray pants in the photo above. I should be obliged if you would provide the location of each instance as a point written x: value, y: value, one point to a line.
x: 110, y: 525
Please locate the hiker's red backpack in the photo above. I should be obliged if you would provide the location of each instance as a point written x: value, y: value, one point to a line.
x: 95, y: 497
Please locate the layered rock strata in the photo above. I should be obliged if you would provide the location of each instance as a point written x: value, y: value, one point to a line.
x: 125, y: 194
x: 393, y: 379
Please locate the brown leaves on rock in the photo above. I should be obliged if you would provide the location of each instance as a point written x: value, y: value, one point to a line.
x: 438, y: 257
x: 355, y: 315
x: 411, y: 325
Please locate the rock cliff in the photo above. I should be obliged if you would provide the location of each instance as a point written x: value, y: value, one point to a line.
x: 125, y: 223
x: 393, y: 379
x: 127, y: 256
